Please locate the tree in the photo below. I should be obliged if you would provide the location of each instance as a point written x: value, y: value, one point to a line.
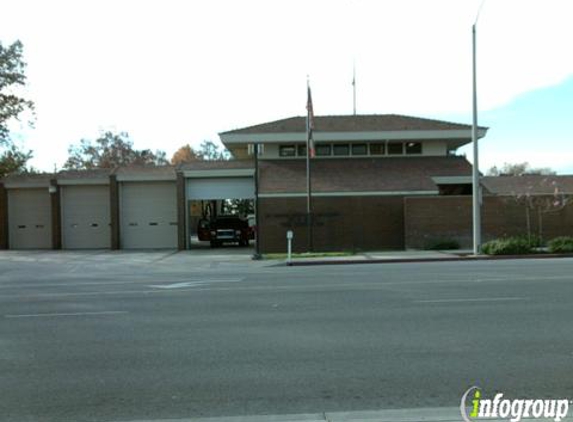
x: 185, y: 154
x: 518, y: 169
x: 540, y: 204
x: 12, y: 105
x: 210, y: 151
x: 111, y: 150
x: 14, y: 160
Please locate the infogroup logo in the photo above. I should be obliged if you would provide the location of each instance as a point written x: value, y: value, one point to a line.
x: 474, y: 406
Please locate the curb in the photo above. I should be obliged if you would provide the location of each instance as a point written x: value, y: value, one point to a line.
x: 414, y: 260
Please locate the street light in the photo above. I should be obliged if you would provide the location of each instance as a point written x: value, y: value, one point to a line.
x: 476, y: 188
x: 475, y: 167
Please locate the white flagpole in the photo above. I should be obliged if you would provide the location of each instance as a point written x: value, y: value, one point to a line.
x: 308, y: 186
x: 354, y: 87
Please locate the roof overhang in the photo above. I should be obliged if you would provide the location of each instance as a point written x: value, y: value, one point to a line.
x: 199, y: 174
x: 37, y: 184
x: 452, y: 180
x: 348, y: 194
x: 273, y: 138
x: 80, y: 182
x: 145, y: 178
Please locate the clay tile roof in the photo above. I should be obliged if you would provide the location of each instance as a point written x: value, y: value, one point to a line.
x: 399, y: 174
x: 352, y: 123
x: 528, y: 184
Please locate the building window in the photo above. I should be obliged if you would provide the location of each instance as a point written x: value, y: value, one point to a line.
x: 395, y: 148
x: 323, y: 150
x: 413, y: 147
x: 287, y: 151
x: 359, y: 149
x: 377, y: 148
x: 301, y: 150
x: 341, y: 149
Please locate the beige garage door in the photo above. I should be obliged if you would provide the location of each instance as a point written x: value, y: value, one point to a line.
x: 85, y: 217
x: 29, y: 219
x: 148, y: 215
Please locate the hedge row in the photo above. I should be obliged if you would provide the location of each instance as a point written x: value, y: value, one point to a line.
x: 518, y: 245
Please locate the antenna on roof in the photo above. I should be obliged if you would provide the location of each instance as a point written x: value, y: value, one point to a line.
x: 354, y: 86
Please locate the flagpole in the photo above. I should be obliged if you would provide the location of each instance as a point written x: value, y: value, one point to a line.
x: 354, y: 87
x: 309, y: 222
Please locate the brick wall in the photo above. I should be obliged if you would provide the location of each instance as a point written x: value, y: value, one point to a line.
x: 450, y: 217
x: 341, y: 223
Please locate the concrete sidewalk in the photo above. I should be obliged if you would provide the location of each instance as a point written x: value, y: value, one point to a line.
x: 414, y: 256
x: 438, y: 414
x: 384, y: 256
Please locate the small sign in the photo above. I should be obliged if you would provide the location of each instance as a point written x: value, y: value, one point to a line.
x: 290, y: 235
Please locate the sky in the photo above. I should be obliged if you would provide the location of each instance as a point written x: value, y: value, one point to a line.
x: 173, y: 72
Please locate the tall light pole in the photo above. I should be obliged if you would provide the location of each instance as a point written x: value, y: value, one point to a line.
x: 476, y: 199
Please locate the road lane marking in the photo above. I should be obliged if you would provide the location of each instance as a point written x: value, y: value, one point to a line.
x: 109, y: 283
x: 66, y: 314
x: 178, y: 285
x: 475, y: 299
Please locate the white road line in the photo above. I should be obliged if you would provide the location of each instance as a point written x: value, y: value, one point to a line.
x: 476, y: 299
x: 105, y: 283
x: 66, y: 314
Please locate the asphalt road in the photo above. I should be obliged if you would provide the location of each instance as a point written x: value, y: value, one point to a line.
x: 126, y: 337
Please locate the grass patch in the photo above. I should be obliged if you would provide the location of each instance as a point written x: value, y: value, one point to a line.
x: 307, y: 255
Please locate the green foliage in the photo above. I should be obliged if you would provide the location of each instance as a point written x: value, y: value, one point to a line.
x: 210, y: 151
x: 111, y: 150
x: 563, y: 244
x: 242, y: 207
x: 518, y: 169
x: 13, y: 160
x: 516, y: 245
x: 441, y: 244
x: 12, y: 76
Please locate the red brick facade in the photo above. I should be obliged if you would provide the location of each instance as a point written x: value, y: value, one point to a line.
x: 450, y: 217
x: 341, y: 223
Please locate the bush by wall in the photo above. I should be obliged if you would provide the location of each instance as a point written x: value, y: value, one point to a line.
x: 562, y: 244
x: 510, y: 246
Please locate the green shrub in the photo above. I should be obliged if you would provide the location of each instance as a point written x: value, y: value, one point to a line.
x: 508, y: 246
x: 563, y: 244
x: 533, y: 240
x: 441, y: 244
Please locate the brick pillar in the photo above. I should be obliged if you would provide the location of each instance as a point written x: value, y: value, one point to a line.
x: 114, y: 211
x: 55, y: 202
x: 181, y: 207
x: 3, y: 217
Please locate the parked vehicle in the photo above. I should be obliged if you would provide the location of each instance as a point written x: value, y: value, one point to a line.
x: 224, y: 229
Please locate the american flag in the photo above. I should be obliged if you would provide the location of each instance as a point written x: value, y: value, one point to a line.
x: 309, y: 125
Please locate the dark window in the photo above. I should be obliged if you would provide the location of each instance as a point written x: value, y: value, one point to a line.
x: 301, y: 150
x: 413, y: 147
x: 359, y: 149
x: 377, y: 148
x: 395, y: 148
x: 287, y: 151
x: 341, y: 149
x: 322, y: 149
